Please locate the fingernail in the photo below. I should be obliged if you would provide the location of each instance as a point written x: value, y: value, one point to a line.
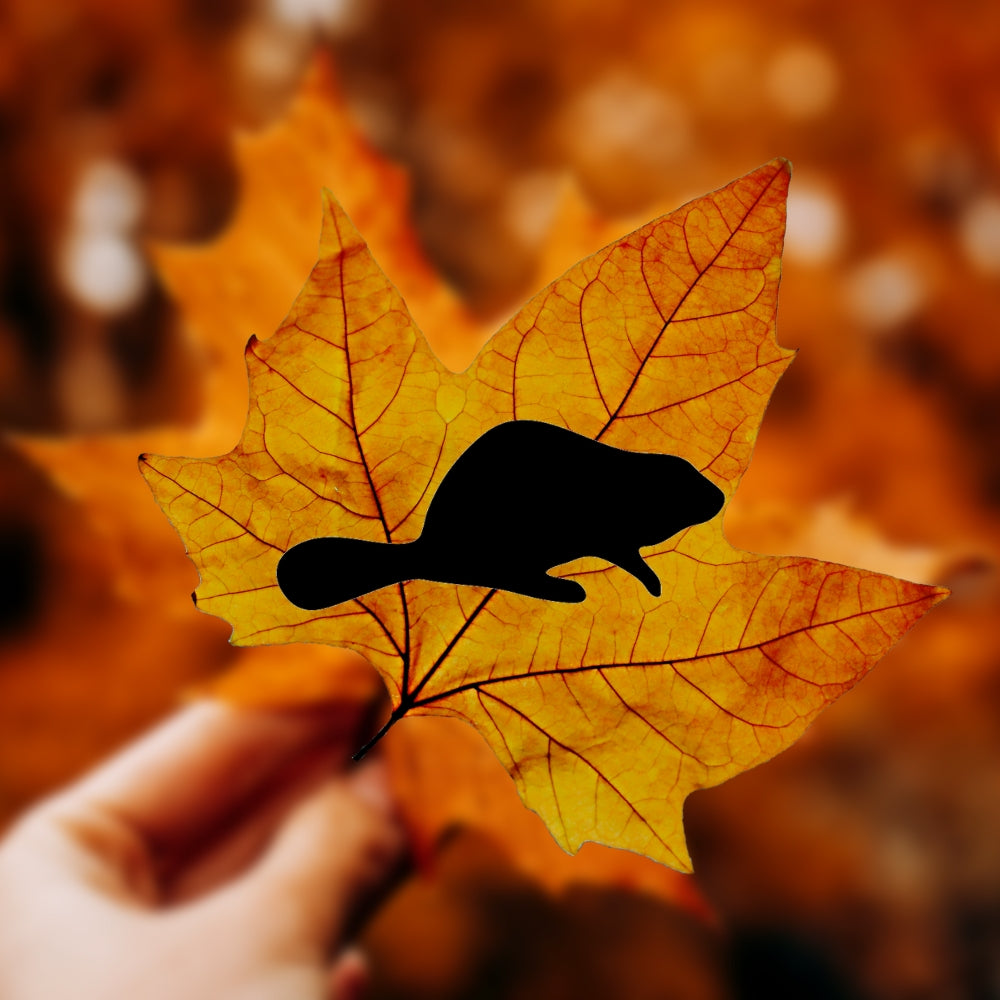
x: 370, y: 782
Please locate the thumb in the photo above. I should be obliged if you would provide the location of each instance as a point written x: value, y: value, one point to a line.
x: 339, y: 846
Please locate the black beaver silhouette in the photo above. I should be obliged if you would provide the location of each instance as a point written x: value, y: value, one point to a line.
x: 521, y: 499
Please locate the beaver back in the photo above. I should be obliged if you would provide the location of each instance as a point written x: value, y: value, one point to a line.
x: 554, y: 495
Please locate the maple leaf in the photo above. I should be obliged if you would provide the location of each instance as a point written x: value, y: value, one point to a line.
x: 607, y: 712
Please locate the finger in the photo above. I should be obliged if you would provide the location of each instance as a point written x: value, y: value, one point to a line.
x: 337, y: 848
x: 241, y: 841
x: 182, y: 779
x: 349, y: 976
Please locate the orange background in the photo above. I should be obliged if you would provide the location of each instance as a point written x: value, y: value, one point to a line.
x: 515, y: 138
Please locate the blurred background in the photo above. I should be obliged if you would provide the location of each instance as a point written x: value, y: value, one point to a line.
x: 483, y: 148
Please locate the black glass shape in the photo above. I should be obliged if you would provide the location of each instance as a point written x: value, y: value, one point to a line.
x: 523, y: 498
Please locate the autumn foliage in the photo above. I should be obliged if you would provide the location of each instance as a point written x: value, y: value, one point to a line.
x: 523, y: 136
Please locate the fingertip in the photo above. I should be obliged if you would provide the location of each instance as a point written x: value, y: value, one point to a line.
x: 350, y: 976
x: 369, y: 781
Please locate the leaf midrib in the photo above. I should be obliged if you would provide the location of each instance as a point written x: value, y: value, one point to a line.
x: 584, y: 668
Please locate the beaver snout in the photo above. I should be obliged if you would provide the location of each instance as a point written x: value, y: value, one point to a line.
x: 705, y: 500
x: 668, y: 494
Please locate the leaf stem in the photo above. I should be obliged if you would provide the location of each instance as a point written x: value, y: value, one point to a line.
x: 397, y: 714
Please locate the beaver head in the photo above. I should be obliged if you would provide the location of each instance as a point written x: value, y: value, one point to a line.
x: 674, y: 496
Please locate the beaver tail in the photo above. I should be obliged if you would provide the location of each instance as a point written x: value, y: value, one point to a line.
x: 322, y: 572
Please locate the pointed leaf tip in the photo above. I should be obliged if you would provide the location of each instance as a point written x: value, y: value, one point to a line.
x: 775, y: 176
x: 338, y: 232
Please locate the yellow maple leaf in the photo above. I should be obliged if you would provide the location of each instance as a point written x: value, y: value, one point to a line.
x: 608, y: 712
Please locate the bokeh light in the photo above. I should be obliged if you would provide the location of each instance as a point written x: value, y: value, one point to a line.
x: 979, y: 232
x: 802, y: 80
x: 815, y: 230
x: 885, y: 291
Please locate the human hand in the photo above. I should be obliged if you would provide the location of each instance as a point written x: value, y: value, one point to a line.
x: 222, y: 857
